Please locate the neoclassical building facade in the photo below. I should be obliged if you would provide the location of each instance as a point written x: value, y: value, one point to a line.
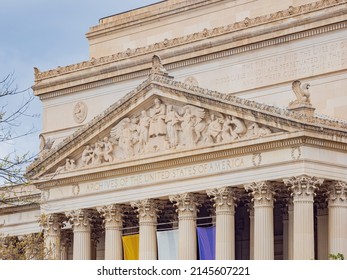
x: 227, y: 115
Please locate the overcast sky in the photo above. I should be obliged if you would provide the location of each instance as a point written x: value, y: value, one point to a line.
x: 46, y: 34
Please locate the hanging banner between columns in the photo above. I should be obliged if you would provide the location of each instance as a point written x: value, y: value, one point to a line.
x: 207, y: 243
x: 167, y: 244
x: 131, y: 247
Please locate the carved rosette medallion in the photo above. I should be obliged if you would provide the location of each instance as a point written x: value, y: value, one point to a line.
x: 303, y: 187
x: 337, y: 194
x: 262, y: 193
x: 224, y: 200
x: 80, y: 112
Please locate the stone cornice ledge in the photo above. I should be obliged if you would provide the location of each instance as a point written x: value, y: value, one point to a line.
x: 145, y: 14
x: 110, y: 69
x: 244, y: 148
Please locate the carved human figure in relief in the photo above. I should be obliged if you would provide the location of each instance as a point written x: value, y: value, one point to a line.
x: 302, y: 94
x: 214, y: 131
x: 255, y: 130
x: 157, y: 125
x: 192, y: 125
x: 143, y: 130
x: 70, y: 164
x: 240, y: 128
x: 134, y: 128
x: 172, y: 119
x: 227, y: 130
x: 107, y: 150
x: 87, y: 155
x: 122, y: 133
x: 98, y: 153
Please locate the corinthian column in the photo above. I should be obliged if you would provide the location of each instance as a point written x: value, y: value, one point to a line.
x: 113, y: 220
x: 81, y: 222
x: 51, y: 225
x: 147, y: 214
x: 186, y: 204
x: 337, y: 205
x: 224, y: 202
x: 263, y: 199
x: 303, y: 188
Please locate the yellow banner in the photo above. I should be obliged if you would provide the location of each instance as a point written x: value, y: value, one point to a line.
x: 131, y: 247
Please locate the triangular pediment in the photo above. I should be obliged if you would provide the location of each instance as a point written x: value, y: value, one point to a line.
x: 163, y: 117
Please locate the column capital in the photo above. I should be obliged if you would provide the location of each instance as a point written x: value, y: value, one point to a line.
x: 113, y: 215
x: 51, y: 223
x: 262, y: 193
x: 337, y: 193
x: 303, y: 186
x: 224, y: 198
x: 187, y: 204
x: 80, y: 219
x: 147, y: 210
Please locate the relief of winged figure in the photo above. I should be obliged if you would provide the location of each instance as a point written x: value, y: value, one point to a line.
x: 302, y: 94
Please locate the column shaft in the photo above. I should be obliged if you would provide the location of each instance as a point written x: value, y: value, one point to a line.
x: 113, y: 215
x: 263, y: 220
x: 225, y: 222
x: 337, y: 218
x: 81, y: 222
x: 187, y: 211
x: 52, y: 235
x: 303, y: 188
x: 147, y: 213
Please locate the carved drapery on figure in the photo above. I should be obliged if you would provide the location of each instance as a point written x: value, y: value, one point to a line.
x: 165, y: 127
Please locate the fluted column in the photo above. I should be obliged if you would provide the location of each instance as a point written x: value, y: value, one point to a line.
x: 113, y: 220
x: 303, y: 188
x: 51, y: 225
x: 251, y: 231
x: 186, y: 204
x: 290, y: 229
x: 263, y: 199
x: 224, y: 203
x: 147, y: 214
x: 337, y: 204
x: 81, y: 222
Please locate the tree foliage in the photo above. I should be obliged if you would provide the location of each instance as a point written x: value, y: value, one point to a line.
x: 14, y: 105
x: 28, y: 247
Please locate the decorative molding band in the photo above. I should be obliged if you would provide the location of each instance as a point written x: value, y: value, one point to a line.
x: 199, y: 59
x: 206, y: 33
x: 230, y: 152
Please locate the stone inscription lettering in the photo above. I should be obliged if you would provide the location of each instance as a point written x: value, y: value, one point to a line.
x: 167, y: 175
x: 309, y: 61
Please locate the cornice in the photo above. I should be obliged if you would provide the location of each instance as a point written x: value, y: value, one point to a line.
x: 298, y: 140
x: 123, y: 60
x: 145, y: 14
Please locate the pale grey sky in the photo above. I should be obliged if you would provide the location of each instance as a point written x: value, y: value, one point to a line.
x: 46, y: 34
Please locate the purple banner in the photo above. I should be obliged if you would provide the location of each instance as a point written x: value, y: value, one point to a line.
x: 207, y: 243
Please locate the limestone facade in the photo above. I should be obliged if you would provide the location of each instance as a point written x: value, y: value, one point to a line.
x: 235, y: 121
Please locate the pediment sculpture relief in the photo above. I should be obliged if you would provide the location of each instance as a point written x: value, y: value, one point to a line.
x: 165, y: 127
